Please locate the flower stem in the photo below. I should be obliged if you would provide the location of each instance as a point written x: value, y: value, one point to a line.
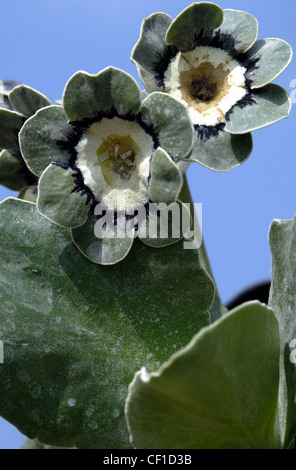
x: 217, y: 309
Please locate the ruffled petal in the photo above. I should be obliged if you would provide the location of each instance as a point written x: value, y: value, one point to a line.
x: 196, y: 21
x: 223, y: 151
x: 56, y: 199
x: 241, y: 27
x: 268, y: 105
x: 87, y: 97
x: 151, y: 54
x: 106, y: 251
x: 26, y: 101
x: 164, y: 225
x: 271, y: 57
x: 166, y: 178
x: 171, y: 122
x: 10, y: 124
x: 47, y: 138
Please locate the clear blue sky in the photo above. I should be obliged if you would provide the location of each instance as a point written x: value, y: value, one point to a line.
x: 43, y: 42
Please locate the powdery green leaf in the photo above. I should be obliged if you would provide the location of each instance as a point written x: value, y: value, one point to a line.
x: 25, y: 100
x: 274, y: 56
x: 270, y: 104
x: 219, y: 392
x: 171, y: 120
x: 10, y: 124
x: 242, y: 26
x: 75, y: 333
x: 282, y: 298
x: 222, y: 153
x: 151, y: 50
x: 88, y: 96
x: 166, y: 178
x: 47, y: 137
x: 56, y: 199
x: 197, y: 19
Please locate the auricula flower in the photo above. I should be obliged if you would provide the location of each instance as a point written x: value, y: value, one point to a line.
x: 17, y: 103
x: 210, y: 60
x: 106, y: 145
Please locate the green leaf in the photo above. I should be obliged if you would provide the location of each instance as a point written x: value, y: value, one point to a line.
x: 282, y: 239
x: 47, y: 138
x: 222, y: 153
x: 87, y: 96
x: 197, y: 19
x: 56, y: 199
x: 166, y: 178
x: 242, y: 26
x: 10, y: 124
x: 90, y: 240
x: 75, y: 333
x: 219, y: 392
x: 271, y: 104
x: 151, y: 49
x: 25, y: 100
x: 172, y: 123
x: 274, y: 56
x: 12, y: 171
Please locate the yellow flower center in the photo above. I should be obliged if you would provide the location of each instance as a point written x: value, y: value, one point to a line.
x: 118, y: 158
x: 204, y: 86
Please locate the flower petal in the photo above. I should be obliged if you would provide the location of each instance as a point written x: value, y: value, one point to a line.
x: 241, y: 26
x: 171, y: 121
x: 10, y: 124
x: 164, y: 225
x: 57, y: 201
x: 166, y: 178
x: 273, y: 55
x: 87, y: 97
x: 47, y: 137
x: 151, y: 54
x: 222, y: 153
x: 106, y: 251
x: 271, y: 104
x: 12, y: 174
x: 198, y: 20
x: 26, y: 100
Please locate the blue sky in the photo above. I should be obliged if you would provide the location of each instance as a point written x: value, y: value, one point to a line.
x: 43, y: 42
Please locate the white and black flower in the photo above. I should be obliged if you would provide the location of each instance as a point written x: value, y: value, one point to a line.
x: 105, y: 145
x: 210, y: 60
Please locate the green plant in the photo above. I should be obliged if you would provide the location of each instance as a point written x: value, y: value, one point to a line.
x: 97, y: 287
